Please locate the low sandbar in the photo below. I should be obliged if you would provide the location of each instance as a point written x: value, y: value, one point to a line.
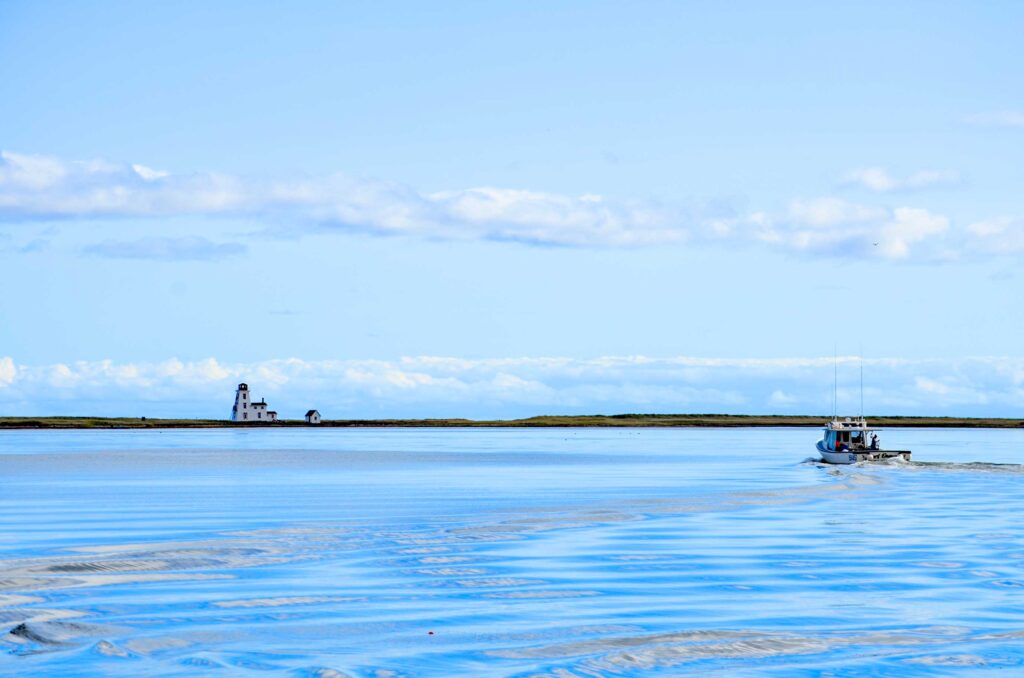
x: 569, y: 421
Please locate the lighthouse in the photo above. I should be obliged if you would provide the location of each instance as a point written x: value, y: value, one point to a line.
x: 246, y: 410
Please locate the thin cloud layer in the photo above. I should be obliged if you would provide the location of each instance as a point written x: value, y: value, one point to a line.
x: 40, y: 187
x: 879, y: 180
x: 998, y: 236
x: 511, y: 387
x: 1006, y: 118
x: 166, y: 249
x: 43, y: 187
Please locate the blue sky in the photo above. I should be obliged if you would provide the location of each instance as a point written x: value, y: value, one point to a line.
x: 500, y: 209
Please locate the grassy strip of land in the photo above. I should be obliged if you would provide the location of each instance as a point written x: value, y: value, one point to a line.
x: 615, y: 420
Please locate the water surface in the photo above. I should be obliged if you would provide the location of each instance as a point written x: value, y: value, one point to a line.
x: 561, y: 552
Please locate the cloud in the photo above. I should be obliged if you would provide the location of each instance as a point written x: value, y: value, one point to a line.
x: 35, y: 187
x: 44, y: 187
x: 148, y: 173
x: 166, y: 249
x: 782, y: 398
x: 531, y: 216
x: 29, y: 241
x: 998, y: 236
x: 835, y: 227
x: 8, y: 371
x: 953, y: 390
x: 434, y: 386
x: 907, y: 227
x: 35, y: 245
x: 879, y: 180
x: 832, y: 212
x: 998, y: 119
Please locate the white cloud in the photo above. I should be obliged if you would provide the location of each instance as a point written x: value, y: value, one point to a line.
x: 192, y: 248
x: 533, y: 216
x: 510, y: 387
x: 42, y: 187
x: 8, y: 372
x: 879, y: 180
x: 148, y: 173
x: 907, y: 227
x: 998, y: 119
x: 831, y: 226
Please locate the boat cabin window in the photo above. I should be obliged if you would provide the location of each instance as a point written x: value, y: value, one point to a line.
x: 852, y: 439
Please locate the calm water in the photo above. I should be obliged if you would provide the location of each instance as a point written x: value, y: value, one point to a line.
x: 508, y: 552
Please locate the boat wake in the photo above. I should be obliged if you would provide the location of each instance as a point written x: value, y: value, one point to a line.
x: 983, y: 466
x: 986, y: 466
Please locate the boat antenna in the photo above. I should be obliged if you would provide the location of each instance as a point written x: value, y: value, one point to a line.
x: 862, y: 383
x: 835, y: 381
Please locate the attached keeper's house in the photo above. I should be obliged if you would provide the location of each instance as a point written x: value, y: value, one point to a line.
x: 248, y: 411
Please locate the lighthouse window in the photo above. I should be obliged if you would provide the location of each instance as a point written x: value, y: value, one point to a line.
x: 245, y: 415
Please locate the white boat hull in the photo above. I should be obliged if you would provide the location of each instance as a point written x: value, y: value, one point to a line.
x: 854, y: 456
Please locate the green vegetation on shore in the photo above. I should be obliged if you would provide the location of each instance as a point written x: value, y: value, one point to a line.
x: 615, y: 420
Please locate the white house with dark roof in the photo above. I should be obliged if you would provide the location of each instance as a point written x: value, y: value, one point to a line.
x: 312, y: 417
x: 246, y: 410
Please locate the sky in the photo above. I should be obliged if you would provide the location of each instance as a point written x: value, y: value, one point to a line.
x: 511, y: 208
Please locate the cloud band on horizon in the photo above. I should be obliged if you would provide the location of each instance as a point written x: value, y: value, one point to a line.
x: 430, y: 386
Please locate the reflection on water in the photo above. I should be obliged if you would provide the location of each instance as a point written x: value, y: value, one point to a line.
x: 507, y: 552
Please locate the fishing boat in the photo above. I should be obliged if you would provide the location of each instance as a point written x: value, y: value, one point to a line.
x: 849, y: 441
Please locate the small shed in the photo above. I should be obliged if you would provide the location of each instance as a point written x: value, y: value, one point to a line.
x: 312, y: 417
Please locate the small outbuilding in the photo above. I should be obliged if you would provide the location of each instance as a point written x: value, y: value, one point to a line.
x: 312, y: 417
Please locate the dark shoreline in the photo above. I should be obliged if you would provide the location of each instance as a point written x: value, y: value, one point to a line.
x: 569, y: 421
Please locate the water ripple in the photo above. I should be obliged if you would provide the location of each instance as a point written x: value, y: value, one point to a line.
x: 510, y: 553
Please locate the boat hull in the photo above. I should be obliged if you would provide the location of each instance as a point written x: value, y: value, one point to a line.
x: 855, y: 456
